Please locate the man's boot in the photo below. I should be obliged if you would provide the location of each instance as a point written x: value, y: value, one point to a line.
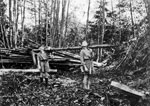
x: 41, y: 80
x: 46, y: 82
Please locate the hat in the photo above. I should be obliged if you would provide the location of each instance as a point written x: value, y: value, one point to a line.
x: 84, y: 43
x: 41, y: 48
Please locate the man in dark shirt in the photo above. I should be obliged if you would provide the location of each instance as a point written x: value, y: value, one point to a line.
x: 44, y: 65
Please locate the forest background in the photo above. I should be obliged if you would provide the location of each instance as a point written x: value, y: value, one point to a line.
x: 63, y: 23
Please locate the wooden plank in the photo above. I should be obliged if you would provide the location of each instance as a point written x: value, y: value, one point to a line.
x: 127, y: 89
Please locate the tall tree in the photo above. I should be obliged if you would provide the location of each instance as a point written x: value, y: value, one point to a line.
x: 39, y: 17
x: 87, y: 21
x: 10, y: 21
x: 103, y: 29
x: 35, y: 17
x: 22, y: 20
x: 67, y: 17
x: 119, y: 23
x: 147, y: 5
x: 64, y: 2
x: 46, y: 21
x: 99, y: 30
x: 14, y: 22
x: 132, y: 21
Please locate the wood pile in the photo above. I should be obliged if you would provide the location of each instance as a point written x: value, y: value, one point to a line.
x: 59, y: 58
x: 15, y: 56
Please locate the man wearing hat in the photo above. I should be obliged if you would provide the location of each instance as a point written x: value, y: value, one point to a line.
x: 44, y: 65
x: 86, y: 56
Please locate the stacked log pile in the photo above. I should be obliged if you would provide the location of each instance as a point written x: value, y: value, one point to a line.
x: 58, y: 58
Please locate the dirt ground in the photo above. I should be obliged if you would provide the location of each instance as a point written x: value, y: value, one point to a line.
x: 24, y: 89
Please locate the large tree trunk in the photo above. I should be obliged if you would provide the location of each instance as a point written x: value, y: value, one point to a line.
x: 14, y: 25
x: 56, y: 28
x: 10, y: 21
x: 99, y: 31
x: 132, y: 21
x: 119, y: 24
x: 39, y: 17
x: 22, y: 23
x: 64, y: 2
x: 54, y: 21
x: 17, y: 16
x: 87, y: 21
x: 51, y: 23
x: 147, y: 3
x: 103, y: 29
x: 35, y: 19
x: 46, y: 17
x: 66, y: 27
x: 15, y: 22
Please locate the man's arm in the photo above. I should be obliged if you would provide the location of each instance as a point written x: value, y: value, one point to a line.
x: 82, y: 58
x: 92, y: 54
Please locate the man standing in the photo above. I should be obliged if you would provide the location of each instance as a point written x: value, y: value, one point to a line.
x: 86, y: 57
x: 44, y: 65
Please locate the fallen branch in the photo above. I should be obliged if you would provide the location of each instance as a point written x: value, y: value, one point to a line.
x: 127, y: 89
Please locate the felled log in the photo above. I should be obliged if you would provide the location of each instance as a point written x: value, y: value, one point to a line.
x: 16, y: 60
x: 24, y: 70
x: 76, y: 58
x: 127, y: 89
x: 77, y: 48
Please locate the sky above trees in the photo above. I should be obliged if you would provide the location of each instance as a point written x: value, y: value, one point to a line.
x: 77, y: 7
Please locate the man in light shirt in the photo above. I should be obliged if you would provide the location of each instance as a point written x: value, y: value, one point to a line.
x: 86, y: 57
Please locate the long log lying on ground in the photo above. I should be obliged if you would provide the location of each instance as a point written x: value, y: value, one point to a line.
x: 24, y: 70
x: 76, y: 58
x: 77, y: 48
x: 127, y: 89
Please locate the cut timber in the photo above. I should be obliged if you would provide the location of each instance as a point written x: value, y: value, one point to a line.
x: 76, y: 48
x: 24, y: 70
x: 127, y: 89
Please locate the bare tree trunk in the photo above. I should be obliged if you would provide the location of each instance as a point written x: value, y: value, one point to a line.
x: 10, y: 20
x: 132, y: 21
x: 54, y: 21
x: 147, y: 5
x: 46, y: 17
x: 62, y: 22
x: 40, y: 21
x: 35, y: 19
x: 57, y: 28
x: 14, y: 23
x: 22, y: 23
x: 51, y: 23
x: 99, y: 32
x: 103, y: 30
x: 3, y: 35
x: 67, y: 17
x: 87, y: 21
x: 112, y: 8
x: 119, y: 24
x: 17, y: 15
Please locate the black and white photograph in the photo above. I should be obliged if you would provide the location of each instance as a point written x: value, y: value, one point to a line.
x: 74, y: 52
